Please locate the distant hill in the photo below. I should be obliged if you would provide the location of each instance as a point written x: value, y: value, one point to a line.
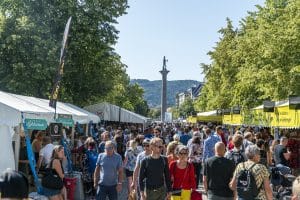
x: 153, y: 90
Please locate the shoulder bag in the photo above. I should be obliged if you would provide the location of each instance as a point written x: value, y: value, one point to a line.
x: 51, y: 179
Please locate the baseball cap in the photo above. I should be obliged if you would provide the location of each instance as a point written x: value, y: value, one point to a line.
x: 13, y: 184
x: 146, y: 141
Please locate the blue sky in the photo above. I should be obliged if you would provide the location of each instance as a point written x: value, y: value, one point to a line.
x: 182, y: 30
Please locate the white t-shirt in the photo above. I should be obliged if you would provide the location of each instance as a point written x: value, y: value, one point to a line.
x: 46, y: 153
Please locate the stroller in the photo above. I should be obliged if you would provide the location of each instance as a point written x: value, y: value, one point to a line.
x: 281, y: 183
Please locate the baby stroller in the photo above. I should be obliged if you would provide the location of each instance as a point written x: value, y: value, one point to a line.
x: 281, y: 183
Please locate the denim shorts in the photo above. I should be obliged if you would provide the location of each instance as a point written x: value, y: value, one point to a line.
x: 50, y: 192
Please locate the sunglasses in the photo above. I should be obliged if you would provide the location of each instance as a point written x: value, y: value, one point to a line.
x: 108, y: 148
x: 183, y: 153
x: 145, y: 145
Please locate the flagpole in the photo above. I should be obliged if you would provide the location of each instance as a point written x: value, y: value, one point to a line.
x: 54, y: 94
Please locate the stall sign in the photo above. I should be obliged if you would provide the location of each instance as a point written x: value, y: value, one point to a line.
x: 269, y: 106
x: 65, y: 121
x: 56, y: 129
x: 36, y: 124
x: 227, y: 119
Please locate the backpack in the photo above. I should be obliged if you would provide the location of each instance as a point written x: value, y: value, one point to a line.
x: 246, y: 184
x: 236, y: 157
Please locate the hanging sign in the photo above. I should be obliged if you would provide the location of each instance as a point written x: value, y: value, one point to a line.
x: 56, y: 129
x: 269, y: 106
x: 36, y: 124
x: 66, y: 120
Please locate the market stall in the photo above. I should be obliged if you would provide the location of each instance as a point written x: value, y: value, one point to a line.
x: 210, y: 116
x: 113, y: 113
x: 37, y: 114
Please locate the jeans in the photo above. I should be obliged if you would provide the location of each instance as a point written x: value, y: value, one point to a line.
x: 107, y: 191
x: 283, y: 169
x: 211, y: 196
x: 198, y: 167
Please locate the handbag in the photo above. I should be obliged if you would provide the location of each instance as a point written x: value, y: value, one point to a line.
x: 178, y: 192
x: 51, y: 180
x: 132, y: 195
x: 196, y: 195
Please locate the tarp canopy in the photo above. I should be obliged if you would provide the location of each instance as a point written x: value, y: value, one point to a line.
x: 92, y: 117
x: 110, y: 112
x: 12, y: 105
x: 11, y: 108
x: 209, y: 116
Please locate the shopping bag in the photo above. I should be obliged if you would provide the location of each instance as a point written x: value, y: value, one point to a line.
x: 196, y: 195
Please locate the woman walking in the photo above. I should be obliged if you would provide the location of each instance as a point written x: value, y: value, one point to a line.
x: 182, y: 174
x: 56, y: 166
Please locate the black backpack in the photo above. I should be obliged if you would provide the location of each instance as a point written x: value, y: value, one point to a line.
x: 246, y: 184
x: 236, y: 157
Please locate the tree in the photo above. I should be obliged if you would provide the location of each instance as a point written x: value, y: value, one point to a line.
x: 258, y: 61
x: 31, y: 34
x: 186, y: 108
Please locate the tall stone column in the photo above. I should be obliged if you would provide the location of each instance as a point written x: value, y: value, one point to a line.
x: 164, y: 72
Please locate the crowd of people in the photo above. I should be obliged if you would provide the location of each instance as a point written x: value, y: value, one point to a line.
x: 170, y: 162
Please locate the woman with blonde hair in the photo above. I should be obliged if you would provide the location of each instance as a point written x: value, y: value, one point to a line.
x: 171, y: 151
x: 56, y: 166
x: 182, y: 174
x: 296, y: 189
x: 130, y: 162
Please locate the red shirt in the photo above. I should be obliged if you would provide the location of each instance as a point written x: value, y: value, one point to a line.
x: 182, y: 177
x: 230, y: 145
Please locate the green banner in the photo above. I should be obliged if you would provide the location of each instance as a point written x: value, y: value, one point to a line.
x: 65, y: 121
x: 36, y: 124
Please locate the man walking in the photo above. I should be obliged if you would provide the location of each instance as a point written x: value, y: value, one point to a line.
x: 209, y: 144
x: 218, y: 172
x: 154, y: 174
x: 282, y: 156
x: 108, y: 173
x: 139, y: 159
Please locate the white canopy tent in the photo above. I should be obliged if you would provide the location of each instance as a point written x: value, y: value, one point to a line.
x: 11, y: 108
x: 208, y: 113
x: 110, y: 112
x: 92, y: 117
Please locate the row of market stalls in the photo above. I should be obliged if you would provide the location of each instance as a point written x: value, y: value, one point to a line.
x: 110, y: 112
x: 278, y: 118
x: 38, y: 115
x: 283, y: 115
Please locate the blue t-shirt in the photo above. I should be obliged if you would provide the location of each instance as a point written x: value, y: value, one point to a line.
x: 140, y: 157
x: 101, y: 147
x: 109, y: 167
x: 185, y: 138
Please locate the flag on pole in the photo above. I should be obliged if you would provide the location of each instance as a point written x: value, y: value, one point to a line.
x: 54, y: 94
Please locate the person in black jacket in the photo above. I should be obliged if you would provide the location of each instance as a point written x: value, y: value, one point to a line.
x: 154, y: 174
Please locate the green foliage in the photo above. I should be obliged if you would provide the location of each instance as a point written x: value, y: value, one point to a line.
x: 184, y: 110
x: 31, y: 33
x: 154, y: 113
x: 258, y: 61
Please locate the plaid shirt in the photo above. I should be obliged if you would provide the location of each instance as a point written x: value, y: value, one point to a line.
x: 209, y: 146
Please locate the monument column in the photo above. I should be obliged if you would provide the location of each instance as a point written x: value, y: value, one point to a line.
x: 164, y: 73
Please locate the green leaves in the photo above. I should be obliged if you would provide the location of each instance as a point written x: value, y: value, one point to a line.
x: 31, y: 33
x: 258, y: 61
